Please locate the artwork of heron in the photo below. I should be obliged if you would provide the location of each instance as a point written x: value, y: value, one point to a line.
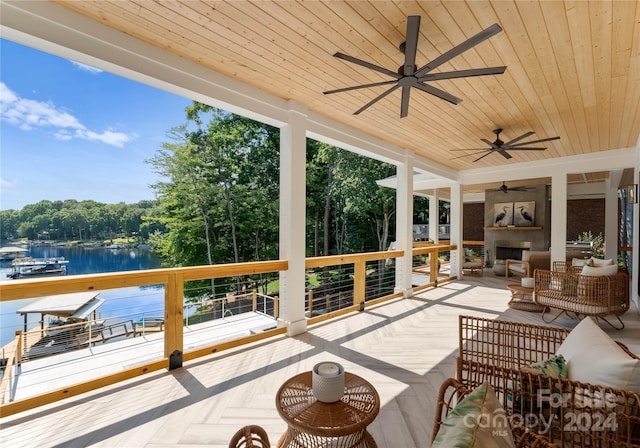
x: 525, y: 213
x: 501, y: 216
x: 503, y: 213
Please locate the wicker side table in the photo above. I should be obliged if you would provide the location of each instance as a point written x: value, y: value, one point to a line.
x: 522, y: 298
x: 342, y: 424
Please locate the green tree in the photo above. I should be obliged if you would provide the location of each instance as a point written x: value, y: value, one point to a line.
x: 9, y: 223
x: 218, y: 200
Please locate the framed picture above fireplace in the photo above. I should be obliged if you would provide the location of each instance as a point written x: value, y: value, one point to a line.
x: 524, y: 213
x: 503, y: 214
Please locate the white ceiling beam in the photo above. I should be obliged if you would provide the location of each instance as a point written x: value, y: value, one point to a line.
x: 583, y: 163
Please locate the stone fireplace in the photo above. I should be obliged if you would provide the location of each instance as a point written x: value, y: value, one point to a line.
x: 508, y: 242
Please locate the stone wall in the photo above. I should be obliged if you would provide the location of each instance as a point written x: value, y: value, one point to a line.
x: 585, y: 215
x: 473, y: 221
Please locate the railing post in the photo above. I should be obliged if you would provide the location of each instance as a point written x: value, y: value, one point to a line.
x: 310, y: 302
x: 433, y: 266
x: 359, y: 281
x: 19, y: 347
x: 276, y: 307
x: 255, y: 301
x: 174, y: 320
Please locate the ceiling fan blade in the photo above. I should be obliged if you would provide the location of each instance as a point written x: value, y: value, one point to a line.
x: 437, y: 92
x: 472, y: 154
x: 482, y: 157
x: 376, y: 99
x: 404, y: 104
x: 517, y: 139
x: 367, y: 65
x: 463, y: 73
x: 522, y: 148
x: 411, y: 45
x: 537, y: 141
x: 504, y: 153
x: 459, y: 49
x: 363, y: 86
x: 493, y: 145
x: 472, y: 149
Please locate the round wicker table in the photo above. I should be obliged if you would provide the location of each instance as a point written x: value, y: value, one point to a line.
x: 312, y: 423
x: 522, y: 298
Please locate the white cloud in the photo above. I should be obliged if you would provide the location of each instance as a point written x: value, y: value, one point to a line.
x: 86, y: 68
x: 6, y: 185
x: 29, y: 114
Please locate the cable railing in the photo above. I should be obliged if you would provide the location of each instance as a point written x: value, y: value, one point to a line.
x: 206, y: 309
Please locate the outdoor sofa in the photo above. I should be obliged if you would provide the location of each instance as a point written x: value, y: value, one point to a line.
x: 583, y: 290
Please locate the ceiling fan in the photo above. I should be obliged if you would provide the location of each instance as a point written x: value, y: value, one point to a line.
x: 506, y: 189
x: 500, y: 147
x: 408, y: 75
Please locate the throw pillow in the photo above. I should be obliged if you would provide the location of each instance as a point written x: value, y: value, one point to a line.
x: 595, y: 271
x: 580, y: 262
x: 565, y: 283
x: 526, y: 254
x: 555, y: 367
x: 593, y: 357
x: 477, y: 421
x: 468, y: 252
x: 600, y: 262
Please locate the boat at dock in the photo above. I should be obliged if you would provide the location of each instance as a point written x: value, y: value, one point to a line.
x: 28, y: 267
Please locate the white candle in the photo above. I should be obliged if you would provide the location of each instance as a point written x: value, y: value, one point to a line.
x: 327, y: 381
x: 328, y: 369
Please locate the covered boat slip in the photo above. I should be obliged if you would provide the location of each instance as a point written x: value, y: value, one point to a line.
x: 75, y: 307
x: 74, y: 325
x: 11, y: 252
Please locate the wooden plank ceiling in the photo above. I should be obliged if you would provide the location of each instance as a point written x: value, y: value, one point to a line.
x: 573, y: 67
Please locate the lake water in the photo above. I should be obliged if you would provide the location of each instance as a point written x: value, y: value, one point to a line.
x: 127, y: 303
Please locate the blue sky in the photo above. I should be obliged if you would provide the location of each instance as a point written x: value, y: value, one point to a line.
x: 68, y: 131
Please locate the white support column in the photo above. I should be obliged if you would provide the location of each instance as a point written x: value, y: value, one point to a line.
x: 635, y: 258
x: 293, y: 155
x: 611, y: 216
x: 558, y: 217
x: 434, y: 211
x: 455, y: 211
x: 404, y: 225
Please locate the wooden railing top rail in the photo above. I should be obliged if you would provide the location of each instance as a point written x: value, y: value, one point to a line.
x: 27, y: 288
x: 434, y: 248
x: 332, y: 260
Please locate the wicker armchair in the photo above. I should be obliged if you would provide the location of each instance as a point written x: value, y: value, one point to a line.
x: 579, y: 295
x: 251, y: 436
x: 565, y: 412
